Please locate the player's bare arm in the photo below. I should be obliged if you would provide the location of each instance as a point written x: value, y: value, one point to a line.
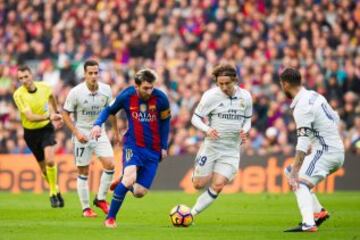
x: 69, y: 123
x: 57, y: 118
x: 294, y: 178
x: 243, y: 136
x: 212, y: 133
x: 115, y: 128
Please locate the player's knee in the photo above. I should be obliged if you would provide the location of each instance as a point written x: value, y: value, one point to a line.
x: 218, y: 187
x: 139, y: 193
x: 198, y: 185
x: 128, y: 181
x: 108, y: 164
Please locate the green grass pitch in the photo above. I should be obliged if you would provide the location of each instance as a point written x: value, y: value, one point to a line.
x: 236, y: 216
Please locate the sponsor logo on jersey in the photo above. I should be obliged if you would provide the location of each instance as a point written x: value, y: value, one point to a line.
x: 143, y: 116
x: 95, y: 110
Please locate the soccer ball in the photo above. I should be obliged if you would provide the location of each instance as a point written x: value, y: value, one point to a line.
x: 180, y: 216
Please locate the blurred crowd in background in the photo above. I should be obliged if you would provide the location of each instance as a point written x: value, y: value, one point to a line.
x: 183, y: 40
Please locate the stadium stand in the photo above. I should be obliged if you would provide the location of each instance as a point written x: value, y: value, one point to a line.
x: 183, y: 40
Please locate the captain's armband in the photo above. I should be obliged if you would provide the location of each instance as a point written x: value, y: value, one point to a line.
x: 304, y: 132
x: 165, y: 114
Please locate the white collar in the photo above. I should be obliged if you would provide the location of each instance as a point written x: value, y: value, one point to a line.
x: 235, y: 96
x: 297, y: 97
x: 88, y: 92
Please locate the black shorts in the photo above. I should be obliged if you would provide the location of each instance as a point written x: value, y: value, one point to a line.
x: 38, y: 139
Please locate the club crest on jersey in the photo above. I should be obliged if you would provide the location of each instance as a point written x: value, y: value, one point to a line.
x: 128, y: 154
x: 242, y: 103
x: 143, y: 107
x: 152, y: 107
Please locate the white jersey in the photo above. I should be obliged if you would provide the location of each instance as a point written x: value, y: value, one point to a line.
x: 86, y: 105
x: 315, y: 119
x: 228, y: 115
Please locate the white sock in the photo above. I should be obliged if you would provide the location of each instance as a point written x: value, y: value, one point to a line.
x: 316, y: 204
x: 105, y: 181
x: 83, y: 191
x: 304, y: 200
x: 203, y: 201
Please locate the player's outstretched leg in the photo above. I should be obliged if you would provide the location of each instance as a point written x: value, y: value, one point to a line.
x: 116, y: 202
x: 100, y: 199
x: 203, y: 201
x: 320, y: 213
x: 84, y: 196
x: 305, y: 204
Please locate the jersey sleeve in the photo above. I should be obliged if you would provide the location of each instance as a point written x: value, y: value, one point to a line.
x: 204, y: 107
x: 164, y: 109
x: 165, y: 115
x: 248, y: 114
x: 70, y: 102
x: 118, y: 103
x: 304, y: 118
x: 20, y: 103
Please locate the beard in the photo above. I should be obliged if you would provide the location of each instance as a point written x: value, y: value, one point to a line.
x: 288, y: 94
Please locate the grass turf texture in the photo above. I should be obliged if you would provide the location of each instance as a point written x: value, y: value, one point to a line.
x: 236, y: 216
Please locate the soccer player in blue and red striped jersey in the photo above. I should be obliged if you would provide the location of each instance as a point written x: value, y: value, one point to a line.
x: 146, y: 140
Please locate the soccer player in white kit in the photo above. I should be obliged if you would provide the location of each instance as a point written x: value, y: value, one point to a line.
x: 85, y: 101
x: 317, y: 130
x: 228, y: 109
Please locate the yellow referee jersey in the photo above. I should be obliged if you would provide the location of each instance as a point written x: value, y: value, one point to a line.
x: 37, y: 102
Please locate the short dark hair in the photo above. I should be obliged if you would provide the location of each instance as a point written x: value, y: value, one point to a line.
x: 291, y: 76
x: 145, y: 75
x: 90, y: 63
x: 224, y: 69
x: 24, y: 68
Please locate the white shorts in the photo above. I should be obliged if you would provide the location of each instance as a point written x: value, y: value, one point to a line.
x: 219, y: 158
x: 83, y: 152
x: 318, y: 165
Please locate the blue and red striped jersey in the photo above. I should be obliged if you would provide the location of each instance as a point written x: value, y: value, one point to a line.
x: 149, y: 121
